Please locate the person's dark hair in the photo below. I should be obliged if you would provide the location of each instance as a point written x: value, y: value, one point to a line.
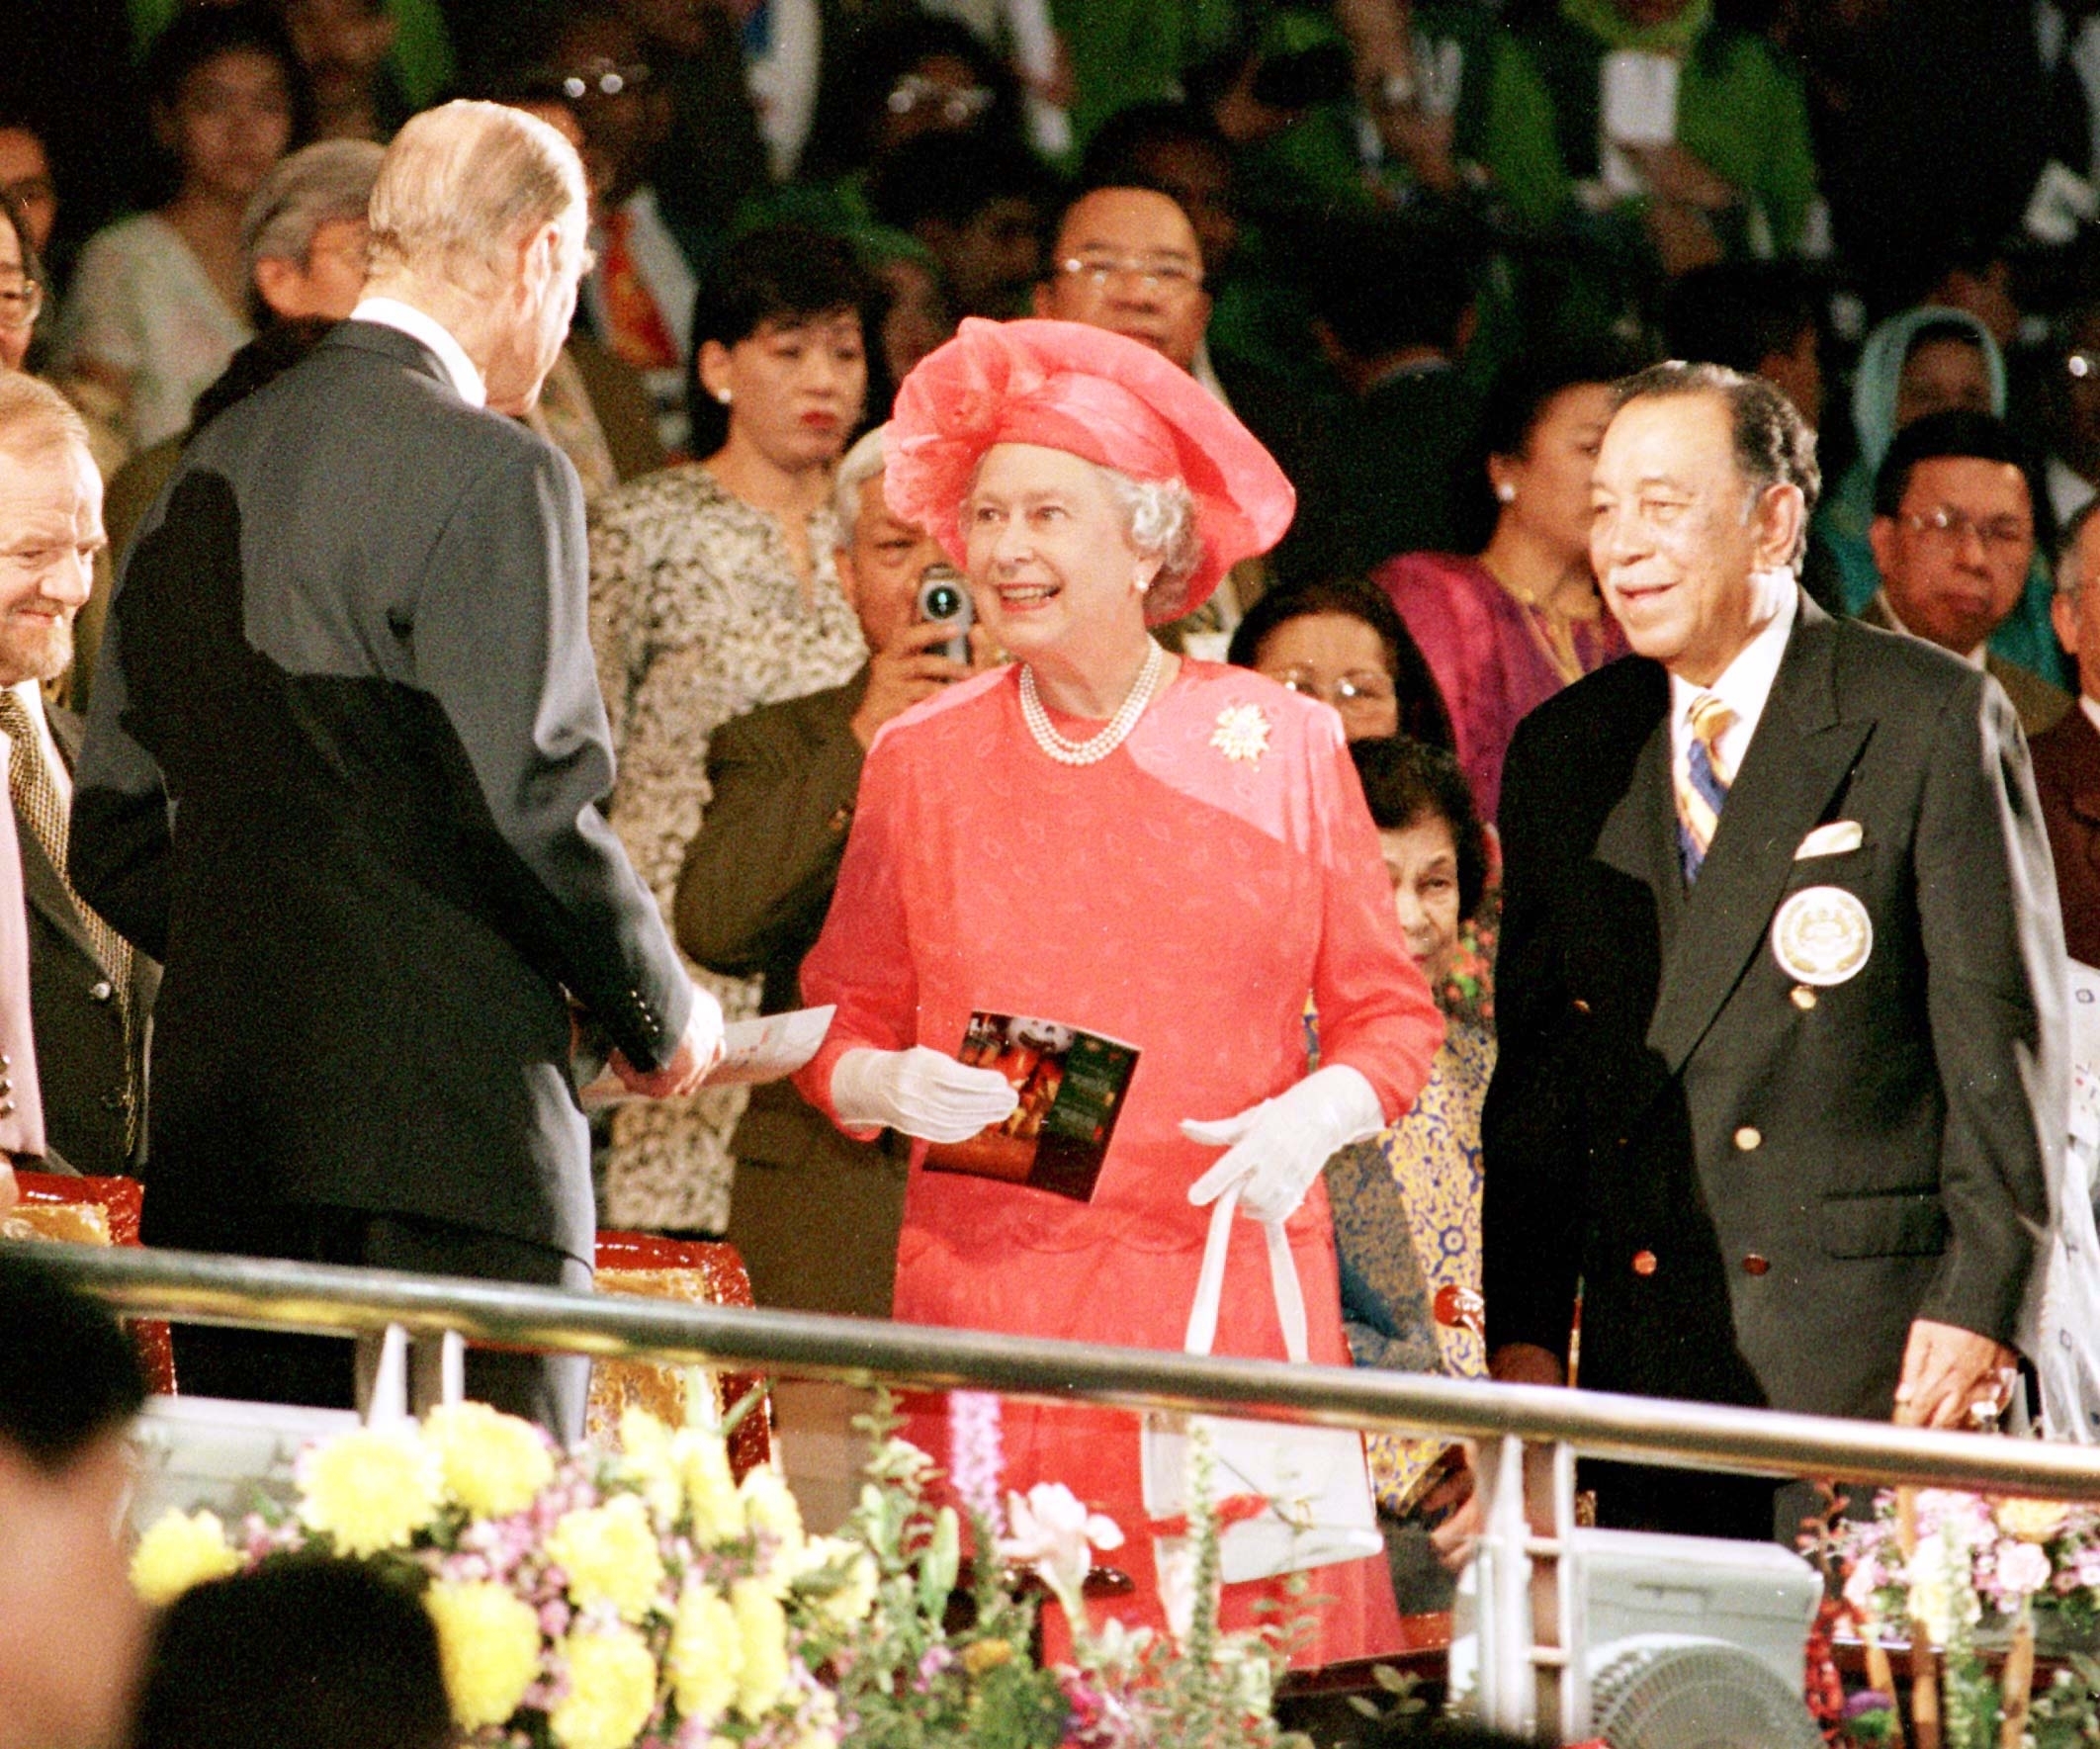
x: 1523, y: 389
x: 857, y: 83
x: 1386, y: 285
x: 1115, y: 155
x: 1957, y: 433
x: 68, y: 1377
x: 198, y: 34
x: 1774, y: 445
x: 1738, y: 314
x: 1927, y: 333
x: 1403, y: 780
x: 306, y: 1653
x: 781, y: 274
x: 1423, y: 717
x: 934, y: 179
x: 281, y: 345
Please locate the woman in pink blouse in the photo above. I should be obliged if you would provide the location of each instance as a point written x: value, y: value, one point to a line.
x: 1507, y: 630
x: 1153, y: 850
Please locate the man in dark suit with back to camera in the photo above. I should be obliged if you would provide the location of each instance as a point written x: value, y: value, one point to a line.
x: 1781, y: 997
x: 343, y: 776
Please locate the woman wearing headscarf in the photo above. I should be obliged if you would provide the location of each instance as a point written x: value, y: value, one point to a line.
x: 1926, y: 360
x: 1152, y: 850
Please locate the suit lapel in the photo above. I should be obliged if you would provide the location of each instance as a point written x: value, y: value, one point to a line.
x: 1639, y: 836
x: 1799, y: 756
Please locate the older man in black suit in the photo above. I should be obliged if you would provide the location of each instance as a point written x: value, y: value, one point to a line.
x: 343, y: 776
x: 1781, y: 999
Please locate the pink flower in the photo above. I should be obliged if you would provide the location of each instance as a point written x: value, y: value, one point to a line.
x: 1055, y: 1533
x: 2022, y: 1569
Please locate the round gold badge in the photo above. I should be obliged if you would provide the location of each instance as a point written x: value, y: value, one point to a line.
x: 1822, y: 935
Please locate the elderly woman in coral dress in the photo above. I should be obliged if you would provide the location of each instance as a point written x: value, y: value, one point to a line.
x: 1157, y: 850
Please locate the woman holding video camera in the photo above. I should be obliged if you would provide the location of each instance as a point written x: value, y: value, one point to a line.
x: 714, y: 589
x: 1152, y: 854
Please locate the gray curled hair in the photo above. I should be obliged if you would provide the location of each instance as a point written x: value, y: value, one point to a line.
x: 1159, y: 516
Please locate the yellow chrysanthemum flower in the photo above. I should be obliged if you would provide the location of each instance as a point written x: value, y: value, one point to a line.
x: 710, y: 1487
x: 768, y: 1507
x: 706, y: 1652
x: 647, y: 1459
x: 612, y: 1690
x: 610, y: 1556
x: 762, y: 1627
x: 488, y: 1639
x: 853, y: 1591
x: 371, y: 1489
x: 494, y: 1463
x: 182, y: 1550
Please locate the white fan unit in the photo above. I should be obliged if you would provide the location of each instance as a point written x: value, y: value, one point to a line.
x: 1674, y: 1691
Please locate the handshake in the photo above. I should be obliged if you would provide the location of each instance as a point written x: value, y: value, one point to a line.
x: 697, y: 1054
x: 1274, y: 1150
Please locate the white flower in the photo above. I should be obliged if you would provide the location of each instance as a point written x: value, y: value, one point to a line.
x: 1054, y: 1532
x: 2022, y: 1568
x: 1940, y: 1590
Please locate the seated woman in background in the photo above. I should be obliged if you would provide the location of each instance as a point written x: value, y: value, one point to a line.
x: 1342, y: 644
x: 1505, y: 631
x: 159, y: 300
x: 1407, y: 1201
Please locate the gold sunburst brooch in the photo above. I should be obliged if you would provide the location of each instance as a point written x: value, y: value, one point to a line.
x: 1241, y: 733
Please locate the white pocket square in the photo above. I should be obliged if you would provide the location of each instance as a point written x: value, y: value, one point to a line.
x: 1831, y: 841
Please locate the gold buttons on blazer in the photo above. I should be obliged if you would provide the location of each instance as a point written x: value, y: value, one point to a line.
x: 1804, y: 998
x: 842, y: 818
x: 1754, y: 1265
x: 1749, y: 1139
x: 1581, y: 1006
x: 1644, y: 1263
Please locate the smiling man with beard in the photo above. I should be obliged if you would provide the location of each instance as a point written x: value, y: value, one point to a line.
x: 1781, y: 1000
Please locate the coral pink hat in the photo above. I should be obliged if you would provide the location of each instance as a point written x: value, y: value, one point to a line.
x: 1098, y: 396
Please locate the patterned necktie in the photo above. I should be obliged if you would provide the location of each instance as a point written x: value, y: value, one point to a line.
x: 635, y: 332
x: 35, y: 799
x: 1703, y: 784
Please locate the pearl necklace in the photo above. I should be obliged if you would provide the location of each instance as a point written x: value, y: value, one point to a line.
x: 1091, y: 751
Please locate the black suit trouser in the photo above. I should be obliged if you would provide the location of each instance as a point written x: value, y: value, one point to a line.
x: 274, y: 1366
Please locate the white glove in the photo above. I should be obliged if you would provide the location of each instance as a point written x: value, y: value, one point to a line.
x: 920, y: 1092
x: 1274, y: 1150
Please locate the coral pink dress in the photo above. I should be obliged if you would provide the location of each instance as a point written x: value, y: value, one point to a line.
x: 1185, y: 896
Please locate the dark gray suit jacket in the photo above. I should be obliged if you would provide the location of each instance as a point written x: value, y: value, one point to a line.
x: 87, y: 1076
x: 343, y: 777
x: 814, y: 1214
x: 1762, y: 1184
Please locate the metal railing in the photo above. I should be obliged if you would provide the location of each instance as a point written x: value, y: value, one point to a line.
x: 1524, y: 1677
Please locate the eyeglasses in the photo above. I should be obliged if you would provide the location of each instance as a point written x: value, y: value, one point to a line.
x: 1363, y: 691
x: 603, y: 78
x: 1955, y: 526
x: 958, y: 105
x: 1155, y: 273
x: 20, y: 304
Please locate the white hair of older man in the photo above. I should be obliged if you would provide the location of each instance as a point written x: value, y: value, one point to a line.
x: 35, y: 419
x: 462, y: 185
x: 317, y: 185
x: 866, y: 459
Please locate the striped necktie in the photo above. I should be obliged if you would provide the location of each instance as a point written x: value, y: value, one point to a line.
x: 1702, y: 782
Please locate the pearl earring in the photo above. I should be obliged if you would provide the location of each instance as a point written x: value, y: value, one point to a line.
x: 723, y: 395
x: 1506, y: 493
x: 1140, y: 582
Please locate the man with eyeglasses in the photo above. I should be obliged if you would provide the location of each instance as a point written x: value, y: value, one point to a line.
x: 1127, y: 259
x: 1954, y: 539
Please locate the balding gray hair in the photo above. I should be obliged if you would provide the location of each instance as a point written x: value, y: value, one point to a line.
x: 316, y: 186
x: 2064, y: 566
x: 866, y: 459
x: 462, y: 185
x: 35, y: 418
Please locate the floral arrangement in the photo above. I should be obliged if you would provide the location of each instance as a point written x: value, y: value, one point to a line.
x: 1969, y: 1583
x: 603, y: 1599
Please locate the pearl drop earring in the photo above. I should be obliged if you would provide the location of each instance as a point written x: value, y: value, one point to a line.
x: 1506, y: 493
x: 723, y: 395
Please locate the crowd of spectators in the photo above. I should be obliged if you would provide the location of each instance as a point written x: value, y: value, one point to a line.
x: 1412, y: 243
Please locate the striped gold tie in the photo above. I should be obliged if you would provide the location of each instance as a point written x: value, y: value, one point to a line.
x: 1702, y: 781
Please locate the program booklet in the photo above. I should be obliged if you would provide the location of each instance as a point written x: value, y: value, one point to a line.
x: 1071, y: 1086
